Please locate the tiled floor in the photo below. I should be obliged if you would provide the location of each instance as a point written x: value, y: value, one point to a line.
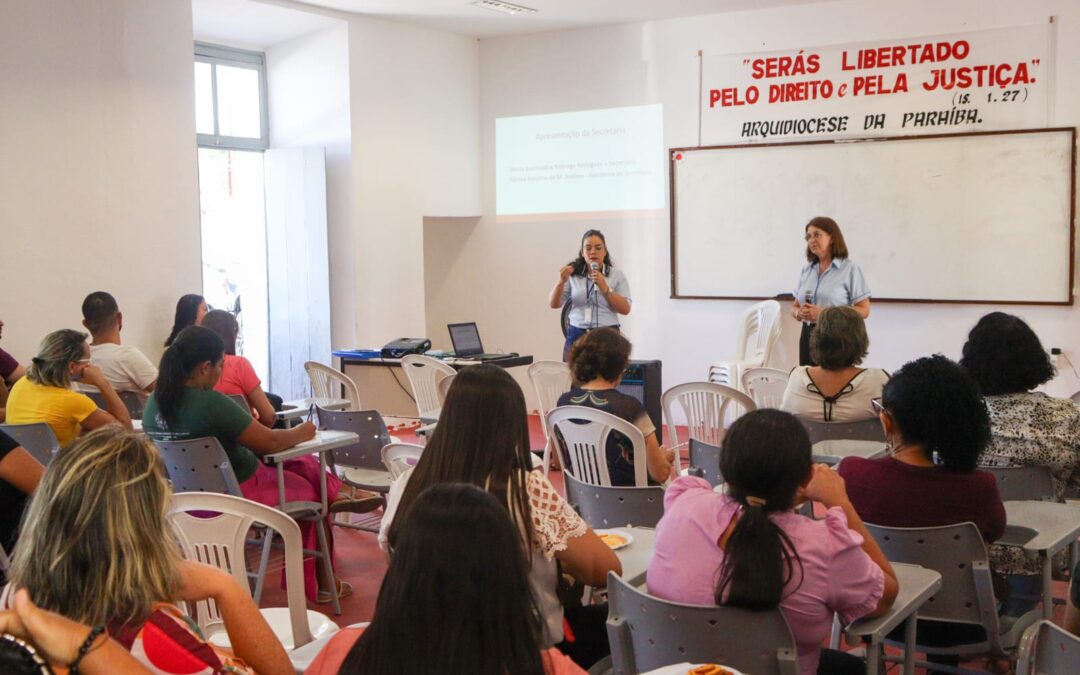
x: 360, y: 561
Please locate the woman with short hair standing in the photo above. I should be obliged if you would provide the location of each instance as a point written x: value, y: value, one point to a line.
x: 597, y: 290
x: 829, y: 279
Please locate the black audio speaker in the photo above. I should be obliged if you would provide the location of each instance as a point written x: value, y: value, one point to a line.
x: 642, y: 381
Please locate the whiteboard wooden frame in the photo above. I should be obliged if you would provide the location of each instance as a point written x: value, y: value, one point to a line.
x: 1072, y: 212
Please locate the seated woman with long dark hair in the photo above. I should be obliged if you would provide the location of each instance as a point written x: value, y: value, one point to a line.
x: 184, y: 405
x: 190, y: 310
x: 455, y: 599
x: 483, y: 439
x: 597, y: 362
x: 96, y: 549
x: 748, y: 548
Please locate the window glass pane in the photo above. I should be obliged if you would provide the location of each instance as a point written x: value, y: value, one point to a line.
x: 238, y: 102
x: 204, y: 100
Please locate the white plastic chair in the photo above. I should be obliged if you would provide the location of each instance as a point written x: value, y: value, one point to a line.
x: 443, y: 388
x: 219, y: 541
x: 1046, y: 649
x: 325, y: 382
x: 765, y: 385
x: 709, y: 409
x: 550, y: 379
x: 757, y: 337
x: 1076, y: 397
x: 584, y: 433
x: 423, y: 373
x: 400, y: 457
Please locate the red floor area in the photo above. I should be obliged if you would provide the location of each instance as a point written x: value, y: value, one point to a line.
x: 362, y: 563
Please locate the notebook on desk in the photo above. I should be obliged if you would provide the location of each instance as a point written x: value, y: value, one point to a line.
x: 467, y: 345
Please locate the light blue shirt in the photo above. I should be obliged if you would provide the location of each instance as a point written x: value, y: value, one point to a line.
x: 843, y: 283
x: 582, y: 293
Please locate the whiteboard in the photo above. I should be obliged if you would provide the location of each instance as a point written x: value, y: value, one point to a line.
x: 985, y: 217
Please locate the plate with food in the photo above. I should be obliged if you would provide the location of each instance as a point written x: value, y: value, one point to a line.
x: 712, y: 669
x: 616, y: 539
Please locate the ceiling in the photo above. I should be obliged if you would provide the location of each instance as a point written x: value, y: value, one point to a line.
x: 460, y: 16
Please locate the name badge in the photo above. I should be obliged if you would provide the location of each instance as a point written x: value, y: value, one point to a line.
x: 588, y: 315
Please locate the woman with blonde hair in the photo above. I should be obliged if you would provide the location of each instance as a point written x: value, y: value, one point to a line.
x: 96, y: 549
x: 45, y: 394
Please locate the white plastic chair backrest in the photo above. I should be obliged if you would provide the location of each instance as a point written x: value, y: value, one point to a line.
x: 443, y: 388
x: 646, y: 633
x: 325, y: 382
x: 424, y: 373
x: 38, y: 439
x: 1046, y: 649
x: 958, y: 553
x: 550, y: 379
x: 219, y: 541
x: 400, y: 457
x: 584, y: 432
x: 1076, y: 397
x: 709, y: 408
x: 765, y: 385
x: 759, y: 331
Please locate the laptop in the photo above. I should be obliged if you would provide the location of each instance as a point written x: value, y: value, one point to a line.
x: 467, y: 345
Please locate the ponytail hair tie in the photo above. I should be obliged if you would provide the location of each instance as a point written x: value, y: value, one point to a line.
x: 37, y: 361
x: 754, y: 501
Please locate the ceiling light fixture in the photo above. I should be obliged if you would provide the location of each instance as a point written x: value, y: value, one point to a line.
x: 503, y: 7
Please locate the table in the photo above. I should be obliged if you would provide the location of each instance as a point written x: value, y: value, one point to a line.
x: 291, y: 410
x: 635, y: 558
x: 323, y: 442
x: 917, y: 584
x: 834, y: 451
x: 1041, y: 529
x: 384, y: 386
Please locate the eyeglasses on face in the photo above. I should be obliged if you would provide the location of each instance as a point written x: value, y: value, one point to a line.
x: 815, y: 235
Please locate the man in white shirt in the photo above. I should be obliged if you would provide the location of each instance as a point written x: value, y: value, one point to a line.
x: 125, y: 367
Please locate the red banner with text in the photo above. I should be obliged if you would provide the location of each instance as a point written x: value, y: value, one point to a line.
x: 978, y: 81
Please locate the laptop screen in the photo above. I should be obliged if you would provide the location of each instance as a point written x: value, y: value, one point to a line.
x: 466, y: 339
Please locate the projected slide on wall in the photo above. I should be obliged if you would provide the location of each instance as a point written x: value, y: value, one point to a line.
x: 587, y: 162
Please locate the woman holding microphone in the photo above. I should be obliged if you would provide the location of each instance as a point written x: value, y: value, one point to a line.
x: 598, y: 292
x: 828, y: 280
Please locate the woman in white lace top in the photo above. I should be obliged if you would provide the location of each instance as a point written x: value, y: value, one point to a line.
x: 483, y: 438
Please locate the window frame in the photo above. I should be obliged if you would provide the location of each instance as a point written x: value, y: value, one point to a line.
x: 216, y: 55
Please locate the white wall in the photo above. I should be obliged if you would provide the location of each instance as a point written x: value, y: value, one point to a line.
x: 308, y: 85
x: 97, y: 167
x: 415, y: 153
x: 507, y: 269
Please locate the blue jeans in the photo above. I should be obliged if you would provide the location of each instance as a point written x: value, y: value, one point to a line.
x: 572, y: 334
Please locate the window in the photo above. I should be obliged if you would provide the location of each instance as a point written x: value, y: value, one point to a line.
x: 230, y: 98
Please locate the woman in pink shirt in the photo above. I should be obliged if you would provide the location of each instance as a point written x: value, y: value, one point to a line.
x: 747, y: 548
x: 456, y: 598
x: 238, y: 377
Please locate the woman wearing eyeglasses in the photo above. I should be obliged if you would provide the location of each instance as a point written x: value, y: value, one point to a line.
x: 829, y: 279
x: 597, y: 290
x: 45, y: 394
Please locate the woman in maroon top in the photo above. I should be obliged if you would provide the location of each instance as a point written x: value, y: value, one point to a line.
x: 937, y: 425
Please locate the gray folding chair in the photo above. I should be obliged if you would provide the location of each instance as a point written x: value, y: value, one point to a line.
x: 1024, y: 483
x: 706, y: 457
x: 863, y: 430
x: 130, y: 399
x: 608, y: 506
x: 1046, y: 649
x: 201, y: 465
x: 647, y: 633
x: 360, y: 465
x: 38, y: 439
x: 241, y: 401
x: 958, y: 553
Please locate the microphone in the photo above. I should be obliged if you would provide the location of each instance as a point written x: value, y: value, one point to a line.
x: 594, y: 265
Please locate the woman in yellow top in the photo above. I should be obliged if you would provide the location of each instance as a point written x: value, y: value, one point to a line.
x: 45, y: 394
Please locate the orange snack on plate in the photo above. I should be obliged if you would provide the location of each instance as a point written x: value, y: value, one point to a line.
x: 710, y: 669
x: 612, y: 540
